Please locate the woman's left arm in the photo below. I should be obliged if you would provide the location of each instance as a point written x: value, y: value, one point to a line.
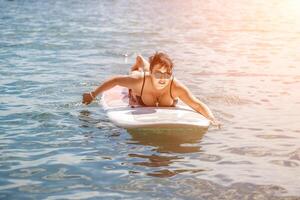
x: 187, y: 97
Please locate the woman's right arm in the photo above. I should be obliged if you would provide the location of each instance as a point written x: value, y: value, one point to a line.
x: 125, y: 81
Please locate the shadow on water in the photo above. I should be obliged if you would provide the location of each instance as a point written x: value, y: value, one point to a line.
x: 169, y: 146
x: 86, y: 119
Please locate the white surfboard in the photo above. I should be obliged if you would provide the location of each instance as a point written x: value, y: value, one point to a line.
x: 115, y: 103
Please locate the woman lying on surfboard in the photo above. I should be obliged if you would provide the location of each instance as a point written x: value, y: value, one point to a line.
x: 153, y: 84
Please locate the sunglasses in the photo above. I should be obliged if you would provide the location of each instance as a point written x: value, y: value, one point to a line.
x: 159, y: 75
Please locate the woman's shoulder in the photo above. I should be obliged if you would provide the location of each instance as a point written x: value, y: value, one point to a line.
x: 136, y: 81
x: 177, y: 83
x: 178, y: 87
x: 136, y: 76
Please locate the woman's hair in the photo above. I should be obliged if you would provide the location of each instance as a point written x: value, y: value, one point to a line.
x: 162, y: 59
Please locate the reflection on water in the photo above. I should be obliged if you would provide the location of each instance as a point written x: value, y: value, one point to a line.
x: 166, y: 140
x: 169, y: 146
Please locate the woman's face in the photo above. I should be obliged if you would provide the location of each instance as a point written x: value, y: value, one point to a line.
x: 160, y: 76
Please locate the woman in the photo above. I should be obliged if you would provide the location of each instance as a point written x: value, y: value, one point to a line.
x: 153, y: 84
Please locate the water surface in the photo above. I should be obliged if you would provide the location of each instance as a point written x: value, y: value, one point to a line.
x: 241, y: 58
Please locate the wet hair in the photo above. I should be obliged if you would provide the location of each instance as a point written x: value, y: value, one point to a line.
x: 162, y: 59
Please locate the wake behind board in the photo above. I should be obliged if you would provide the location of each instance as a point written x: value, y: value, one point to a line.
x: 115, y: 103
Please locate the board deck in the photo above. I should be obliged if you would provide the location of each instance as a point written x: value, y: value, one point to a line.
x: 115, y: 103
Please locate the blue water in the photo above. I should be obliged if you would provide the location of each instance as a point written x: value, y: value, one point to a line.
x: 241, y: 58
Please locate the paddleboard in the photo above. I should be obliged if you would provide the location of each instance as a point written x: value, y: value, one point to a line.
x: 116, y: 104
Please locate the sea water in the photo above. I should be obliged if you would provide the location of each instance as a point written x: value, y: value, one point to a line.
x: 241, y: 58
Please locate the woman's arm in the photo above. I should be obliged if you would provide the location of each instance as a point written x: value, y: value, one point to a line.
x: 187, y: 97
x: 125, y: 81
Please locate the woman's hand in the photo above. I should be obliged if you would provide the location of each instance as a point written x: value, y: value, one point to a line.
x: 215, y: 123
x: 87, y: 98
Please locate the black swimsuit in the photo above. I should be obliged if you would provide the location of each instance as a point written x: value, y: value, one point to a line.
x: 140, y: 100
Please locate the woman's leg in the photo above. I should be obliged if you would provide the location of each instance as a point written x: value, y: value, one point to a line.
x: 138, y: 68
x: 140, y: 65
x: 146, y: 64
